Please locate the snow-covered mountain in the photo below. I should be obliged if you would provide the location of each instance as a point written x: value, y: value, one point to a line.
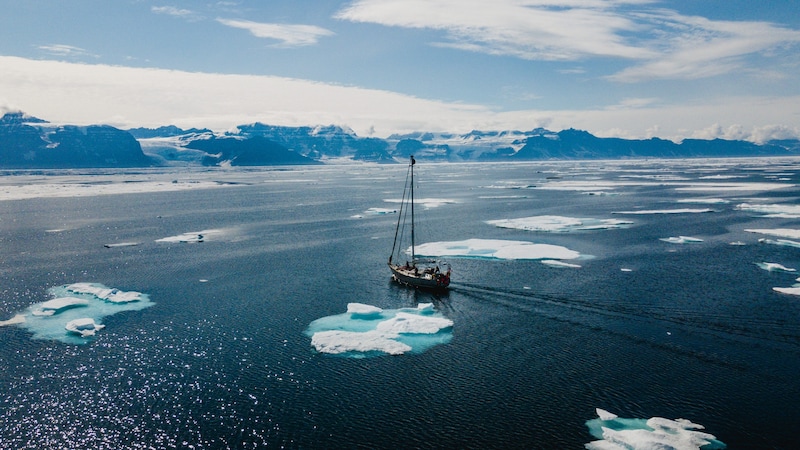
x: 28, y: 142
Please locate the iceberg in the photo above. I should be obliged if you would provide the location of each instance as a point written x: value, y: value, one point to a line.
x: 366, y: 330
x: 558, y: 224
x: 84, y: 326
x: 615, y: 433
x: 66, y: 317
x: 495, y: 249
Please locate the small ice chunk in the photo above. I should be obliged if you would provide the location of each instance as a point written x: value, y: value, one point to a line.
x: 57, y: 305
x: 362, y: 309
x: 84, y: 326
x: 774, y: 267
x: 16, y: 320
x: 561, y: 264
x: 605, y: 415
x: 682, y: 240
x: 121, y: 244
x: 625, y: 269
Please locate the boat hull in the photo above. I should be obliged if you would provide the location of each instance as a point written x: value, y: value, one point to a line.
x: 420, y: 279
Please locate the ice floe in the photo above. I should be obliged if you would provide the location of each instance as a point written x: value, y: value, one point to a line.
x: 495, y: 249
x: 774, y: 267
x: 778, y: 232
x: 772, y: 210
x: 784, y: 242
x: 668, y: 211
x: 191, y: 237
x: 559, y: 224
x: 561, y: 264
x: 682, y: 240
x: 84, y: 326
x: 705, y: 201
x: 366, y: 330
x: 76, y: 311
x: 57, y: 305
x: 105, y: 185
x: 426, y: 202
x: 615, y: 433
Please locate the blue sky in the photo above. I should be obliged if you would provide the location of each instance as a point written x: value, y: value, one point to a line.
x: 627, y: 68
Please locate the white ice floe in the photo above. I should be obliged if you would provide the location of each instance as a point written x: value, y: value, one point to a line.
x: 367, y: 330
x: 794, y: 290
x: 704, y: 201
x: 192, y: 236
x: 560, y: 264
x: 774, y: 267
x: 57, y: 305
x: 70, y: 188
x: 65, y: 317
x: 112, y: 295
x: 682, y: 240
x: 84, y: 326
x: 668, y: 211
x: 734, y: 187
x: 426, y: 202
x: 495, y: 249
x: 559, y: 224
x: 789, y: 233
x: 616, y: 433
x: 772, y: 210
x: 784, y: 242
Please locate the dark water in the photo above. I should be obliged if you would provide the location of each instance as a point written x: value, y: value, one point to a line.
x: 221, y: 360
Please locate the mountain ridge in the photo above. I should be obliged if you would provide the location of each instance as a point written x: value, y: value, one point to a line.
x: 30, y: 142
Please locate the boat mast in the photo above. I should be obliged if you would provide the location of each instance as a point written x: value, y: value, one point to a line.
x: 413, y: 253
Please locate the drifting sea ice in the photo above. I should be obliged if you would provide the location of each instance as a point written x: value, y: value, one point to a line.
x: 616, y: 433
x: 774, y: 267
x: 668, y: 211
x: 366, y: 330
x: 76, y: 311
x: 559, y: 224
x: 773, y: 210
x: 682, y: 240
x: 495, y: 249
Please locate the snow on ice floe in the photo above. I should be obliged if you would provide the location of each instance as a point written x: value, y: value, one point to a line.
x: 559, y: 224
x: 107, y: 185
x: 76, y: 311
x: 774, y: 267
x: 366, y: 330
x: 772, y: 210
x: 682, y: 240
x: 615, y: 433
x: 668, y: 211
x: 495, y: 249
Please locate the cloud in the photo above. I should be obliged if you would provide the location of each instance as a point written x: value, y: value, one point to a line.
x: 288, y: 35
x: 534, y: 29
x: 660, y: 43
x: 82, y: 94
x: 65, y: 51
x: 176, y: 12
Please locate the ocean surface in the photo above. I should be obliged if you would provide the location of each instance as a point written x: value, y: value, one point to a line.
x: 670, y: 311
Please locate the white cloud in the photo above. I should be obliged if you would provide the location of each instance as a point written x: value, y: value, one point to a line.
x: 65, y: 50
x: 173, y: 11
x: 129, y: 97
x: 288, y: 35
x: 667, y: 45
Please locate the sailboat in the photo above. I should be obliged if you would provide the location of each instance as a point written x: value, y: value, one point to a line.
x: 416, y: 272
